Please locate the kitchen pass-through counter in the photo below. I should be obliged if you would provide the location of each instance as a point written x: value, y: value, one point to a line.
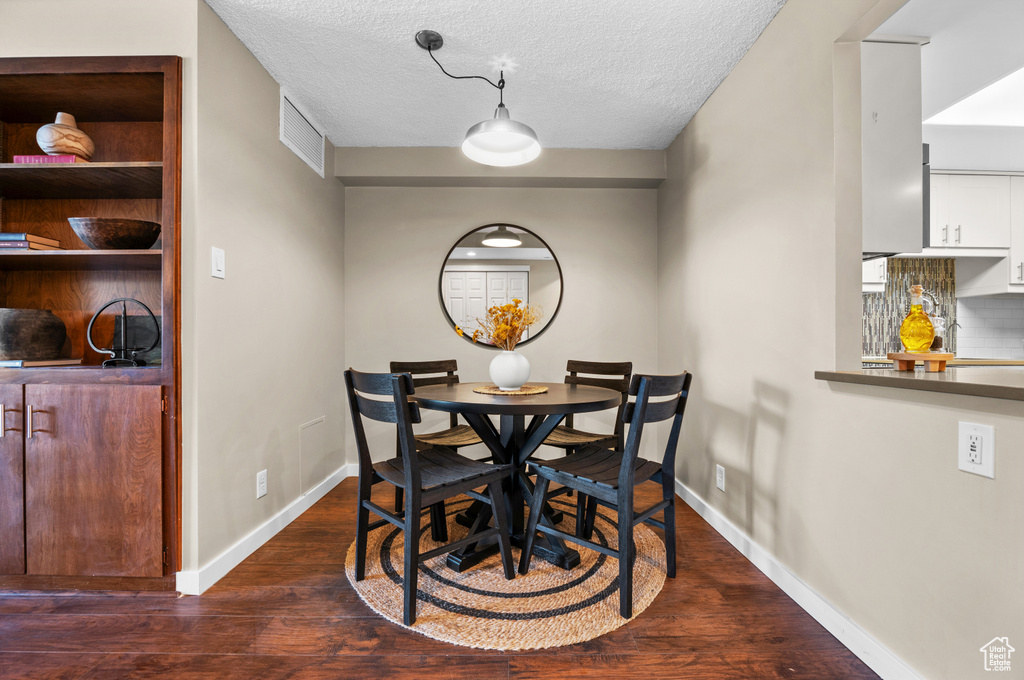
x: 979, y: 380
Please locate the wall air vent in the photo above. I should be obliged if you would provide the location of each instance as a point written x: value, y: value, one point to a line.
x: 300, y: 134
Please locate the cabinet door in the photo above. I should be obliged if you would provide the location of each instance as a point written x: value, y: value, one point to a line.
x: 938, y: 207
x: 12, y: 482
x: 874, y: 271
x: 92, y: 480
x: 979, y: 211
x: 1017, y: 230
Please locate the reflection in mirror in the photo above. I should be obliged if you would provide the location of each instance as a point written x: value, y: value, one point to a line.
x: 493, y: 265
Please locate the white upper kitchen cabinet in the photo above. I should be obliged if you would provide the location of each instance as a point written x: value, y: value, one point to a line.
x: 891, y: 162
x: 970, y: 211
x: 1017, y: 233
x: 873, y: 275
x: 985, y: 276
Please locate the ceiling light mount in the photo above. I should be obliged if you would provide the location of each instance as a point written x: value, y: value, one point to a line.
x: 429, y: 40
x: 500, y: 141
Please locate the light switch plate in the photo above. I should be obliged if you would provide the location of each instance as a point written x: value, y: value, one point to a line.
x: 217, y: 262
x: 976, y: 449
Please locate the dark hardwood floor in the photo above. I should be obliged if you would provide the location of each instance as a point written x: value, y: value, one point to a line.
x: 288, y: 612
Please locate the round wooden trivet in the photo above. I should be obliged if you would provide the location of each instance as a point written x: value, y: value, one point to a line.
x: 525, y: 389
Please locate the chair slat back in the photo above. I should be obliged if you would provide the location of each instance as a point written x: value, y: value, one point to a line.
x: 425, y: 373
x: 676, y: 386
x: 642, y: 411
x: 620, y: 383
x: 398, y: 410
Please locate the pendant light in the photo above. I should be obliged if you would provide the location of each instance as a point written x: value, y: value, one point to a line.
x: 502, y: 238
x: 500, y: 141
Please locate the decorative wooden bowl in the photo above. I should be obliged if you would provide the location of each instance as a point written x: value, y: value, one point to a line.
x: 64, y: 137
x: 30, y: 334
x: 114, y: 233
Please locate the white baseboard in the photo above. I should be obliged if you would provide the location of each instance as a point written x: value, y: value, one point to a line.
x: 856, y: 639
x: 197, y: 581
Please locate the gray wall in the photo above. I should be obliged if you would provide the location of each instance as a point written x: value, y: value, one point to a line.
x: 396, y: 240
x: 269, y: 338
x: 853, y: 488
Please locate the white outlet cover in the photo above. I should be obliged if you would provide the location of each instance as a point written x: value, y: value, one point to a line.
x: 261, y: 484
x: 987, y: 434
x: 720, y: 477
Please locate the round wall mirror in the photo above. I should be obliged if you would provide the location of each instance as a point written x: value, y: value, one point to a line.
x: 493, y: 265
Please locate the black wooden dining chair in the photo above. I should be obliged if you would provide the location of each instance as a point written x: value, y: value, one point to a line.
x: 428, y: 477
x: 455, y: 436
x: 613, y: 376
x: 609, y: 477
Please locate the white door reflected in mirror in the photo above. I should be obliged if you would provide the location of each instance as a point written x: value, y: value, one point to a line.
x: 476, y: 276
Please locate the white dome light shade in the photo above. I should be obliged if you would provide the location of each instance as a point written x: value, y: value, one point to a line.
x: 501, y: 141
x: 502, y: 238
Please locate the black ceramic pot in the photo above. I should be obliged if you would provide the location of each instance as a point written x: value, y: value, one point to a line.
x: 30, y: 334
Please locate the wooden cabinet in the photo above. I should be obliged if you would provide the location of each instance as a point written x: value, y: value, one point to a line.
x: 83, y: 465
x: 970, y: 211
x: 12, y: 481
x: 101, y: 471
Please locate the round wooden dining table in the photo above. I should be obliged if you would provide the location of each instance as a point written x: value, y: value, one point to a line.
x: 513, y: 441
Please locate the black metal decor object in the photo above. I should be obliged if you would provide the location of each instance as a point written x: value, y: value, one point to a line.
x: 123, y: 355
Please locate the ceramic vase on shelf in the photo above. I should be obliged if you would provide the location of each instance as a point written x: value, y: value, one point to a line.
x: 64, y: 137
x: 509, y: 370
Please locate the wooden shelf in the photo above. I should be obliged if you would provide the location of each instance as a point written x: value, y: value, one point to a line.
x: 81, y: 180
x: 35, y: 95
x: 82, y: 375
x: 94, y: 260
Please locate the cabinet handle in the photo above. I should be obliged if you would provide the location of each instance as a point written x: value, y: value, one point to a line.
x: 1020, y: 277
x: 945, y: 235
x: 958, y: 234
x: 30, y: 411
x: 3, y: 420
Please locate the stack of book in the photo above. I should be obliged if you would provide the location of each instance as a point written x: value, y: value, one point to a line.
x: 62, y: 158
x: 22, y: 363
x: 25, y: 241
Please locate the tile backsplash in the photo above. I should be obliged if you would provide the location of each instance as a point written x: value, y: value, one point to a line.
x: 991, y: 327
x: 884, y: 312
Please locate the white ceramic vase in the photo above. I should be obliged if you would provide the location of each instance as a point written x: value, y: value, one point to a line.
x: 509, y: 370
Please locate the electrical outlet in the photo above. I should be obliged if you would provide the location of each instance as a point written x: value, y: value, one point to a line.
x: 975, y: 442
x: 261, y: 484
x: 720, y: 477
x: 976, y: 449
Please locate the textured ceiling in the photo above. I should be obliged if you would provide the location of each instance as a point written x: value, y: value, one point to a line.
x: 593, y: 74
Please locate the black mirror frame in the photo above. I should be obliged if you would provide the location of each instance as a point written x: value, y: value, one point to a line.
x: 440, y: 283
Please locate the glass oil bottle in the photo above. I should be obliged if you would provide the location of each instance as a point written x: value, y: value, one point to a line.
x: 916, y: 331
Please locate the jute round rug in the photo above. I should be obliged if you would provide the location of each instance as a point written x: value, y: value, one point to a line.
x: 549, y: 607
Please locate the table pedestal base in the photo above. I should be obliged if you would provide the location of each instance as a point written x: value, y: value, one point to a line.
x: 459, y: 563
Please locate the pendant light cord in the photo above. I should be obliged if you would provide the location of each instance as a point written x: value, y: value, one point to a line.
x: 500, y: 85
